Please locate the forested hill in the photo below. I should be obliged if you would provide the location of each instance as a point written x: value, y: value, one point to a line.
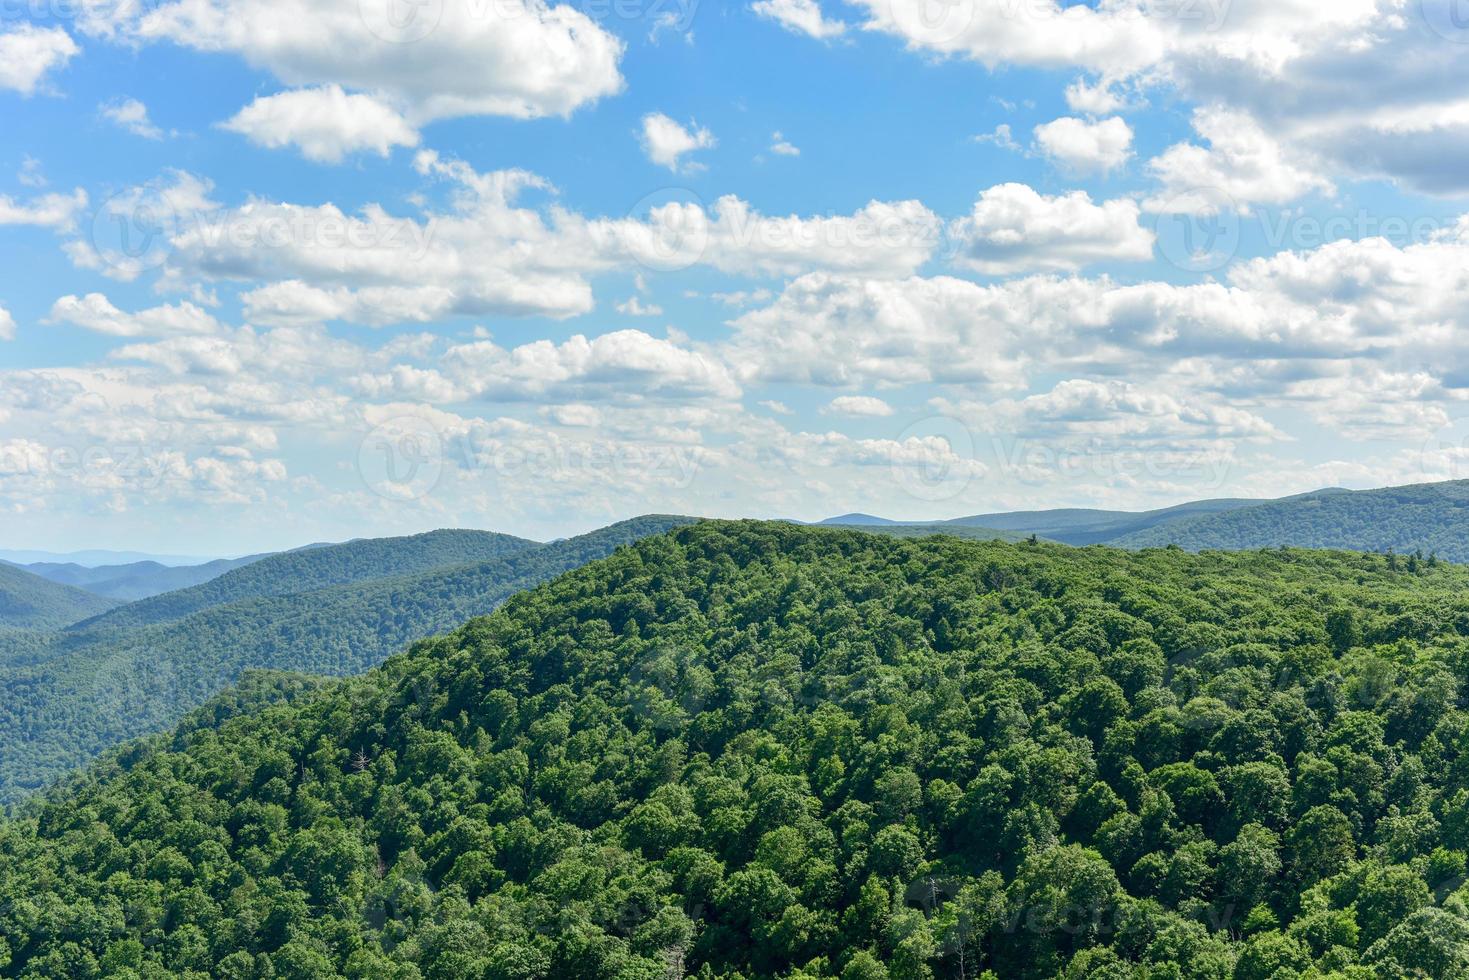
x: 317, y: 568
x: 136, y: 580
x: 72, y: 695
x: 1431, y: 518
x: 748, y: 750
x: 29, y: 602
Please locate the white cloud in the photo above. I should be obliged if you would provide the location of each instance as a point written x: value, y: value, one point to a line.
x: 488, y: 254
x: 131, y: 115
x: 1241, y: 161
x: 96, y: 313
x: 634, y: 306
x: 800, y: 17
x: 30, y: 174
x: 325, y: 124
x: 1277, y: 322
x: 781, y: 146
x: 1372, y: 86
x: 666, y: 142
x: 622, y: 365
x: 1003, y: 137
x: 519, y: 58
x: 29, y: 53
x: 1086, y: 146
x: 1094, y: 100
x: 1013, y: 228
x: 1118, y: 411
x: 859, y: 406
x: 7, y: 325
x: 56, y: 211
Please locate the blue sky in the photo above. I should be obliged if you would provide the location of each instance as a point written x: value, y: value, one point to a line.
x: 536, y: 268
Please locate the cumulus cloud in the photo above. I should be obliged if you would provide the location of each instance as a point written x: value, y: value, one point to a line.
x: 131, y: 115
x: 1242, y: 161
x: 1276, y: 321
x: 96, y: 313
x: 1290, y: 67
x: 781, y: 146
x: 623, y: 365
x: 29, y: 53
x: 1013, y: 228
x: 667, y: 142
x: 488, y: 252
x: 7, y: 325
x: 859, y: 406
x: 800, y: 17
x: 634, y: 306
x: 56, y: 211
x: 325, y: 124
x: 519, y: 58
x: 1086, y: 146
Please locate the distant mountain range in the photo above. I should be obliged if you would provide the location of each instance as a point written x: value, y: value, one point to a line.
x: 136, y: 580
x: 95, y: 558
x: 1433, y: 518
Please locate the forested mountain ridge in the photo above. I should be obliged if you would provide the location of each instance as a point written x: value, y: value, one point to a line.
x: 317, y: 567
x: 74, y: 694
x: 30, y: 602
x: 1431, y: 518
x: 757, y: 750
x: 136, y: 580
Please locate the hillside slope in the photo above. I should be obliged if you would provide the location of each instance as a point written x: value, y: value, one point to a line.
x: 1433, y: 518
x: 137, y: 580
x: 29, y: 602
x: 317, y: 568
x: 770, y: 751
x: 72, y: 695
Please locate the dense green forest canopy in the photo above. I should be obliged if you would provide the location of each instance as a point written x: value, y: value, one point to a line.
x: 758, y: 750
x: 70, y: 695
x: 1432, y: 518
x: 29, y: 602
x: 317, y: 568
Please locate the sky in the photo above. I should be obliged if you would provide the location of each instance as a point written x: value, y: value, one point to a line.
x: 278, y: 271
